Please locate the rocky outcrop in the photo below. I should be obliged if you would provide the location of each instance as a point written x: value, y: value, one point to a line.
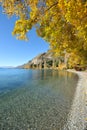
x: 44, y: 60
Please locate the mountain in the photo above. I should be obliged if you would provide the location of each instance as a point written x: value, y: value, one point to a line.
x: 44, y: 60
x: 6, y: 67
x: 41, y: 61
x: 48, y: 61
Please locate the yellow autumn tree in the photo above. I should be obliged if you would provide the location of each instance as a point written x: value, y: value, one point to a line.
x: 62, y: 23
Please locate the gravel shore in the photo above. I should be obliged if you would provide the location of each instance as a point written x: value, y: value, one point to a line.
x: 77, y: 118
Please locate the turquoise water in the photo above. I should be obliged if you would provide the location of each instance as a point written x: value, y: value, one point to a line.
x: 35, y: 99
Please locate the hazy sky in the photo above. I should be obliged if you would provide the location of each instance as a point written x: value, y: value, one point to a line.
x: 15, y: 52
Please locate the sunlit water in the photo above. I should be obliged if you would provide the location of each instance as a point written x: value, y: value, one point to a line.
x: 35, y: 99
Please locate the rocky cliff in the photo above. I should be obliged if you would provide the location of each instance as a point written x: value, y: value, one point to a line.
x: 39, y: 61
x: 44, y: 60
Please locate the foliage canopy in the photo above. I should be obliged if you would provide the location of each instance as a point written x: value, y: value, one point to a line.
x: 62, y: 23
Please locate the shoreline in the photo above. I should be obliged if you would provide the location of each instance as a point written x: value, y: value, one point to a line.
x: 77, y: 117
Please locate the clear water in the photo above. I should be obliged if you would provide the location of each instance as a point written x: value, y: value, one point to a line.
x: 35, y: 99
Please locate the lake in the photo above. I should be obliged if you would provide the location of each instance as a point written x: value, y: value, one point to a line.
x: 35, y: 99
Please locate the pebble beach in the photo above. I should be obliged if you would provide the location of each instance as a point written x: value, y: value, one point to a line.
x: 77, y: 117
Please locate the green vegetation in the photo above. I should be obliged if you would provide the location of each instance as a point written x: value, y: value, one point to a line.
x: 62, y: 23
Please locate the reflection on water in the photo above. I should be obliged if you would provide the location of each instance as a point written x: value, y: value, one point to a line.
x: 35, y: 99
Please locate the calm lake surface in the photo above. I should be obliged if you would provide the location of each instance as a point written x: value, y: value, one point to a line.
x: 35, y: 99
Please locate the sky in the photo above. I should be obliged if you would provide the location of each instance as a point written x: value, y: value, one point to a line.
x: 15, y: 52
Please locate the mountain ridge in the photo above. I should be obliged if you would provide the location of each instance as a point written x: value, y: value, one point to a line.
x: 45, y: 60
x: 39, y: 61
